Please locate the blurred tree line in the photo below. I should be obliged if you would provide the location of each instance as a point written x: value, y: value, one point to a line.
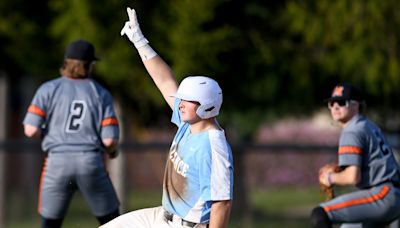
x: 271, y: 58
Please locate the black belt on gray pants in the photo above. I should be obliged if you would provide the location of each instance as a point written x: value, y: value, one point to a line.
x: 169, y: 216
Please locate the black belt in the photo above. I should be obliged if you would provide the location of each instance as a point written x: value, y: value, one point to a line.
x: 169, y: 216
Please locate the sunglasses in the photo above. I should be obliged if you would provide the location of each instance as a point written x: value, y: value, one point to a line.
x: 341, y: 103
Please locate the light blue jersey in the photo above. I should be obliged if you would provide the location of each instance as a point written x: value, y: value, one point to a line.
x: 199, y: 170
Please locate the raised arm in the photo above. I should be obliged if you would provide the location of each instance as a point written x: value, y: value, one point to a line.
x: 157, y: 68
x: 163, y: 77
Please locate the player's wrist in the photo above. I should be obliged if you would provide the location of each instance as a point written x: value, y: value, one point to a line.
x: 146, y: 52
x: 329, y: 178
x: 134, y: 35
x: 138, y: 39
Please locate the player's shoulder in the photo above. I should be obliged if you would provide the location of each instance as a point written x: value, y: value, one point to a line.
x: 53, y: 81
x: 219, y: 145
x: 99, y: 86
x: 217, y: 137
x: 217, y: 133
x: 358, y: 129
x: 50, y: 85
x: 357, y: 123
x: 366, y: 126
x: 208, y: 137
x: 100, y: 90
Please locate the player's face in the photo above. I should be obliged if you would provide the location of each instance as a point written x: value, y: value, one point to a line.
x: 188, y: 113
x: 342, y: 111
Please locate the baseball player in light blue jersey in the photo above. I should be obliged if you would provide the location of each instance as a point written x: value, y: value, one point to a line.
x: 198, y: 179
x: 367, y: 162
x: 75, y: 117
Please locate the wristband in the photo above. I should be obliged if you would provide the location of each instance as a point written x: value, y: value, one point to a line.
x: 146, y: 52
x: 329, y: 179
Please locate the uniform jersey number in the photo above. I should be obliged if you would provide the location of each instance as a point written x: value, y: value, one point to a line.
x: 385, y: 149
x: 75, y: 116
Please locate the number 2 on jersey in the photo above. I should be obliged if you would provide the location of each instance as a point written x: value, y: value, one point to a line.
x: 75, y: 116
x: 385, y: 149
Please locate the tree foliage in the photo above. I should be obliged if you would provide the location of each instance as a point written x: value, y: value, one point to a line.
x: 356, y: 41
x: 270, y: 58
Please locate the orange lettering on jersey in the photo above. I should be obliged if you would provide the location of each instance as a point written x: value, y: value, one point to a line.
x: 109, y: 121
x: 338, y: 91
x: 350, y: 150
x: 380, y: 195
x: 36, y: 110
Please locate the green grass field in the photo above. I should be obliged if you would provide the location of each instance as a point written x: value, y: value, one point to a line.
x: 283, y: 207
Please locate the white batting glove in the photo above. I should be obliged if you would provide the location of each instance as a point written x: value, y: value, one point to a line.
x: 132, y: 30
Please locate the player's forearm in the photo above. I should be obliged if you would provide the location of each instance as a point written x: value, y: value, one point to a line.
x: 158, y: 69
x: 220, y: 213
x: 32, y: 131
x: 163, y: 77
x: 349, y: 176
x: 110, y: 145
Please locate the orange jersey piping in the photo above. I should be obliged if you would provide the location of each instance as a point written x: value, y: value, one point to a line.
x: 109, y: 121
x: 354, y: 202
x: 36, y: 110
x: 350, y: 150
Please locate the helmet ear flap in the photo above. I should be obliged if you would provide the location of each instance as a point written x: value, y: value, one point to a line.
x: 208, y: 110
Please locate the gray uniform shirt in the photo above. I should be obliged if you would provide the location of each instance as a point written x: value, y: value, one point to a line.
x: 363, y: 144
x: 74, y: 114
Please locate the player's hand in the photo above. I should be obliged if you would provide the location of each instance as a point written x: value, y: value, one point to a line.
x: 132, y: 30
x: 327, y: 170
x: 113, y: 153
x: 324, y: 178
x: 325, y: 181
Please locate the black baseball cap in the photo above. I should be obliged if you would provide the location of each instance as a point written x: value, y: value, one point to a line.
x: 345, y: 91
x: 81, y: 50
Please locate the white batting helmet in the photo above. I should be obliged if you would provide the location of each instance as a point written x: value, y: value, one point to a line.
x: 204, y: 90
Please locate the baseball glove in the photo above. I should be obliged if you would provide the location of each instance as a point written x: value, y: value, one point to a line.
x: 112, y: 152
x: 328, y: 190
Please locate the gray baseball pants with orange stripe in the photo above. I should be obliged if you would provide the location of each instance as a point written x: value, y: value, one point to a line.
x: 372, y: 207
x: 64, y: 173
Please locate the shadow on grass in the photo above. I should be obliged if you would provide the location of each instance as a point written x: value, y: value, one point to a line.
x: 272, y: 209
x: 260, y: 218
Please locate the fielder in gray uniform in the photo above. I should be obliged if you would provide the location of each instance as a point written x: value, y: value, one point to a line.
x: 75, y: 118
x: 367, y: 162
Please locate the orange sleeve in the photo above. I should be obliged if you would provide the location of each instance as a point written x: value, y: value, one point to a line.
x: 350, y: 150
x: 36, y: 110
x: 109, y: 121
